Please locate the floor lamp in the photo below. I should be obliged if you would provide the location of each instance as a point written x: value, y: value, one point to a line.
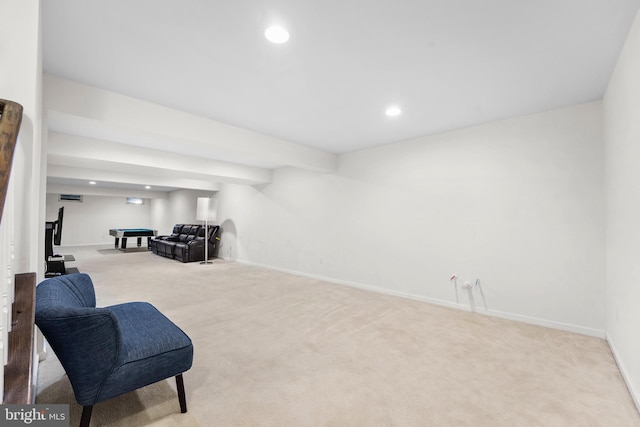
x: 204, y: 213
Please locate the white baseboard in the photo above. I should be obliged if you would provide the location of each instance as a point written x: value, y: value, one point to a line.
x: 503, y: 315
x: 635, y: 395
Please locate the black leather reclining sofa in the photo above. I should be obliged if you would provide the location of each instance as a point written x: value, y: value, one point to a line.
x: 186, y: 242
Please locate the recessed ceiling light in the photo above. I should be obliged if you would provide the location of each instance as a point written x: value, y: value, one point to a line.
x: 92, y: 182
x: 276, y: 34
x: 147, y: 187
x: 393, y: 111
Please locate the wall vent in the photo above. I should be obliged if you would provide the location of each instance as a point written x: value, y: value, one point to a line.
x: 70, y: 198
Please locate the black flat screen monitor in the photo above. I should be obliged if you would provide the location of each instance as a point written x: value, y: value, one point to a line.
x: 53, y: 234
x: 57, y: 236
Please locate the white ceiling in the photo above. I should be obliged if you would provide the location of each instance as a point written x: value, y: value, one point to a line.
x: 447, y: 63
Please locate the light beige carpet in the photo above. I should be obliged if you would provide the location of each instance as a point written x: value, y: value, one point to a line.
x: 273, y: 349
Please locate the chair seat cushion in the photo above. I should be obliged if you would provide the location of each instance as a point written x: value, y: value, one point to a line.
x: 153, y: 348
x: 146, y: 332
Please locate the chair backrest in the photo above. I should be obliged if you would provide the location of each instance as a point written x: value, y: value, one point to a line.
x: 86, y: 339
x: 66, y: 292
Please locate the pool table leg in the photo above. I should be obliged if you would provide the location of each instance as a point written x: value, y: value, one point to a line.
x: 117, y: 241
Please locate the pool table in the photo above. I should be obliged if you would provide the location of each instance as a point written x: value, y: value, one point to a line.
x: 139, y: 233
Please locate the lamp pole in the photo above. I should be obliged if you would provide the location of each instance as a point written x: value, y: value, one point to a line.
x: 203, y: 215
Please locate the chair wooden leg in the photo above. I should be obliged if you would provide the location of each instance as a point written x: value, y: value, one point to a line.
x: 86, y: 416
x: 181, y: 396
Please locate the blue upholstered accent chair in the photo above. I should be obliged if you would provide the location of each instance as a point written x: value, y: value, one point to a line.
x: 109, y: 351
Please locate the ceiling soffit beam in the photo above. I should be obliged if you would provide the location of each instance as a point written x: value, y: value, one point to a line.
x: 195, y: 133
x: 115, y: 192
x: 68, y: 171
x: 128, y: 156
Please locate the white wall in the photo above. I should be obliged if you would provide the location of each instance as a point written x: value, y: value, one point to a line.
x: 622, y: 178
x: 179, y: 208
x: 517, y: 203
x: 20, y: 81
x: 89, y: 222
